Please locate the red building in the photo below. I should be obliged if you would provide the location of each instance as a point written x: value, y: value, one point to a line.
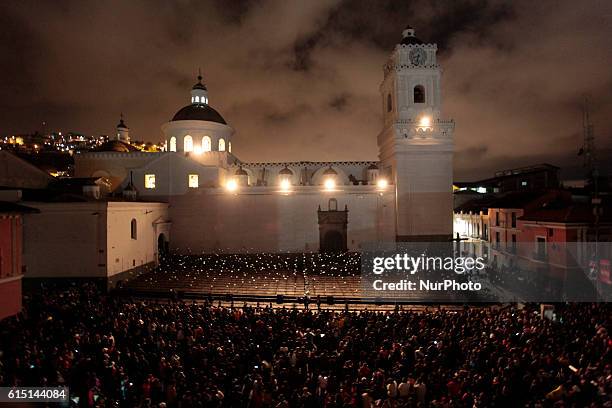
x: 503, y: 216
x: 11, y: 246
x: 559, y: 241
x: 565, y: 240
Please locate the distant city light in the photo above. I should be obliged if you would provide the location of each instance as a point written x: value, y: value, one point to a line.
x: 382, y: 183
x: 231, y: 185
x: 329, y: 184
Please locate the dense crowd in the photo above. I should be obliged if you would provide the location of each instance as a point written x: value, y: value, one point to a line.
x: 120, y: 352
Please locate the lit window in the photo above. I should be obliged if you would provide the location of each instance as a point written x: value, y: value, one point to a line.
x: 206, y: 144
x: 173, y: 144
x: 150, y: 181
x: 188, y: 144
x: 221, y: 145
x: 193, y: 181
x: 229, y: 147
x: 134, y: 229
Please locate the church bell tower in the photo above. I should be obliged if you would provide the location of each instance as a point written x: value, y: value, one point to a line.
x: 416, y: 144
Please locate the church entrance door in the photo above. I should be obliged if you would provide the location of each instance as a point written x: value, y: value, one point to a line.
x: 333, y: 241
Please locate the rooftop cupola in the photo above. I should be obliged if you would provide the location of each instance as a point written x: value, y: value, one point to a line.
x: 123, y: 132
x: 408, y: 37
x: 199, y: 93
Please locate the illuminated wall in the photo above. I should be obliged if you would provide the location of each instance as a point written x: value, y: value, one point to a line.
x: 267, y: 220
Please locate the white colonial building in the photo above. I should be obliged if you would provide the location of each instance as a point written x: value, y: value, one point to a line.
x: 220, y: 203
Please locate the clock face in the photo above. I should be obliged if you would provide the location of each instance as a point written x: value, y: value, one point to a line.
x: 417, y: 56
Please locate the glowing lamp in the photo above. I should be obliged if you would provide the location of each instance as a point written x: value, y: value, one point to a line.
x: 197, y: 150
x: 382, y: 183
x: 425, y: 121
x: 329, y: 184
x: 231, y: 185
x: 285, y: 184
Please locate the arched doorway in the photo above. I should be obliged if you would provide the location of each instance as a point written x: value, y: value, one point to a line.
x: 333, y: 228
x: 162, y: 247
x: 333, y: 241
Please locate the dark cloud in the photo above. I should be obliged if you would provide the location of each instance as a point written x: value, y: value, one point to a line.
x: 299, y: 80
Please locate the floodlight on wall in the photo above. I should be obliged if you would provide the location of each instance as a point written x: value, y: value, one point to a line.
x: 329, y: 184
x: 425, y: 122
x: 382, y: 183
x: 285, y: 185
x: 231, y: 185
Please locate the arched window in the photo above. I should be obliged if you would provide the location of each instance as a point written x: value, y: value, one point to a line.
x: 419, y: 94
x: 134, y: 229
x: 206, y: 144
x: 221, y: 145
x: 173, y: 144
x: 188, y: 144
x: 389, y: 103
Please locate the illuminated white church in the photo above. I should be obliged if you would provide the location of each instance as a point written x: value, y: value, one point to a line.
x: 219, y: 203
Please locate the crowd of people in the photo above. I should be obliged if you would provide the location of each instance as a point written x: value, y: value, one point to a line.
x: 330, y: 263
x: 118, y: 352
x: 185, y: 271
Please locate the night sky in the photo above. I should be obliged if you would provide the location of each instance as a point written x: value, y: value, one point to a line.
x: 299, y: 80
